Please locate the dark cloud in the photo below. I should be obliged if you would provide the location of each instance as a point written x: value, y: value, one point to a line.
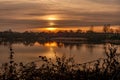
x: 109, y: 2
x: 58, y: 23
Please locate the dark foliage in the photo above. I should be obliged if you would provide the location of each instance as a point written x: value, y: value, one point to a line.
x: 27, y: 37
x: 63, y: 68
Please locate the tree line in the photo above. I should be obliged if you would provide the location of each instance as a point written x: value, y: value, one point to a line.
x: 90, y: 35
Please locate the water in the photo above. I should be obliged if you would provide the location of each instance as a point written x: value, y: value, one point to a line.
x: 28, y: 53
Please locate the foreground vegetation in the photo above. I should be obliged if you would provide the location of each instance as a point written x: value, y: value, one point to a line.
x: 63, y: 68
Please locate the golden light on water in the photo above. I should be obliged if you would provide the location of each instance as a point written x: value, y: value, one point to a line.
x: 51, y: 54
x: 52, y: 44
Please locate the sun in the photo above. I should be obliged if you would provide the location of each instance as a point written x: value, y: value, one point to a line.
x: 52, y: 18
x: 51, y: 29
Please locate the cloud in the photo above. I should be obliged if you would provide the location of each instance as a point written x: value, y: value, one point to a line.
x: 109, y: 2
x: 70, y: 12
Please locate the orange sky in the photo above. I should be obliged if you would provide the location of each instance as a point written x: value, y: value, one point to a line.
x: 84, y: 29
x: 22, y: 15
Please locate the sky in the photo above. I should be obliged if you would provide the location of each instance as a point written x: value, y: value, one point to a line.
x: 21, y: 15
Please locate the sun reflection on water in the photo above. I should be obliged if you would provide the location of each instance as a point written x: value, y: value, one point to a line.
x: 51, y: 53
x: 51, y: 44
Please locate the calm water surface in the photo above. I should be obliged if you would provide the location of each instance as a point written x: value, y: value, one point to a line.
x: 81, y: 52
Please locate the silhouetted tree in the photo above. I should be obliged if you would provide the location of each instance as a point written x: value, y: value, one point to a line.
x: 106, y: 28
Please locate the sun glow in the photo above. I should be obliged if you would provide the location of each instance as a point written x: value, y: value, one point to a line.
x: 52, y: 18
x: 51, y: 29
x: 52, y: 44
x: 51, y: 24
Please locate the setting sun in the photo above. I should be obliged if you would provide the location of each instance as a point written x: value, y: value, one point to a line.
x: 52, y: 18
x: 51, y: 29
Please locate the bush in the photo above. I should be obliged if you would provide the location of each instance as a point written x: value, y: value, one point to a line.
x: 63, y: 68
